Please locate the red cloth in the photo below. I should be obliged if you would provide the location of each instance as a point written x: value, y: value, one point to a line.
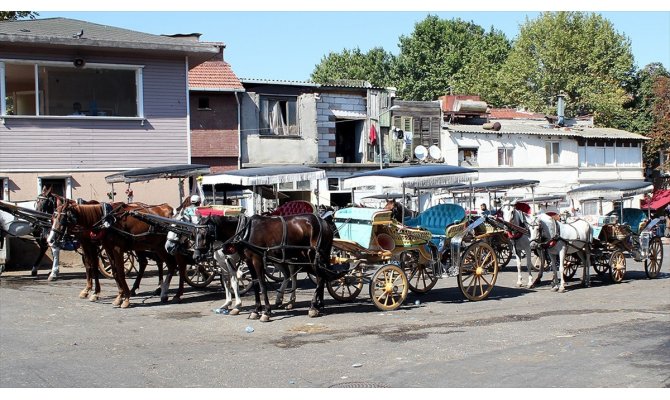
x: 658, y: 200
x: 373, y: 134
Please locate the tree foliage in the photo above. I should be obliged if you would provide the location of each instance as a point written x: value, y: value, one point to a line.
x: 578, y: 53
x: 660, y: 129
x: 373, y: 66
x: 453, y: 54
x: 15, y: 15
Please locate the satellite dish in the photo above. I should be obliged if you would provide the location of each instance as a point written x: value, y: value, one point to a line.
x: 435, y: 152
x: 420, y: 152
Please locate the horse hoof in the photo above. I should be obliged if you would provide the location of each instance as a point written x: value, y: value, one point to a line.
x: 33, y: 272
x: 126, y: 303
x: 93, y: 297
x: 313, y: 312
x: 562, y: 290
x: 554, y: 289
x: 164, y: 299
x: 83, y: 294
x: 234, y: 311
x: 289, y: 306
x: 52, y: 277
x: 265, y: 318
x: 176, y: 300
x: 253, y: 315
x: 117, y: 301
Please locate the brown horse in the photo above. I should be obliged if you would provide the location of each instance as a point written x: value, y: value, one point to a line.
x: 398, y: 211
x: 301, y: 240
x: 118, y: 233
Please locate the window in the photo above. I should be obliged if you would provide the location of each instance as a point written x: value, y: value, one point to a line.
x: 609, y: 153
x: 64, y: 90
x: 278, y: 116
x: 505, y: 156
x: 203, y: 103
x: 553, y: 150
x: 467, y: 157
x: 333, y: 184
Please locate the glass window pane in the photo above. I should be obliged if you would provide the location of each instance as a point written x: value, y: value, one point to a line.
x: 20, y: 89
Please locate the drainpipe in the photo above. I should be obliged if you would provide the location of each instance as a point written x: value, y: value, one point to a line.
x: 239, y: 132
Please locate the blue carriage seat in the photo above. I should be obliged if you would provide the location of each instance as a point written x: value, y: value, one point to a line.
x: 631, y: 217
x: 358, y: 224
x: 438, y: 218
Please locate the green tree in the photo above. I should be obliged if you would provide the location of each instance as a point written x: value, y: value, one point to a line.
x: 14, y: 15
x: 660, y: 128
x: 373, y: 66
x: 578, y: 53
x: 642, y: 119
x: 448, y: 55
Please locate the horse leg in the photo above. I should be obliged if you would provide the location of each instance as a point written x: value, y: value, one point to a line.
x: 561, y: 266
x: 519, y: 279
x: 586, y: 262
x: 267, y: 310
x: 54, y: 266
x: 89, y: 275
x: 317, y: 299
x: 142, y: 260
x: 255, y: 276
x: 159, y: 266
x: 119, y: 267
x: 171, y: 267
x: 181, y: 264
x: 294, y: 283
x: 43, y: 249
x: 529, y: 267
x: 95, y: 271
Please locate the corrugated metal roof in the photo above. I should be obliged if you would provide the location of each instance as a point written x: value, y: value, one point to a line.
x: 68, y: 32
x: 508, y: 127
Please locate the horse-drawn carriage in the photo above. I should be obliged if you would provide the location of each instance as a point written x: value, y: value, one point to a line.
x: 624, y: 233
x: 446, y: 246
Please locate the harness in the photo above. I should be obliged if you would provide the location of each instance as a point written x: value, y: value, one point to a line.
x: 282, y: 247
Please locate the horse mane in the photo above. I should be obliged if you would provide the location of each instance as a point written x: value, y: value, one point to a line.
x: 89, y: 214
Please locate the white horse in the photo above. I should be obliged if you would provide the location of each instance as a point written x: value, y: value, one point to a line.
x: 520, y: 241
x: 560, y: 239
x: 226, y: 262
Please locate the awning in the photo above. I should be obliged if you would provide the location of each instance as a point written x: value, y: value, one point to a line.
x: 265, y: 176
x: 500, y: 186
x: 412, y: 177
x: 659, y: 199
x: 344, y: 114
x: 167, y: 171
x: 611, y: 190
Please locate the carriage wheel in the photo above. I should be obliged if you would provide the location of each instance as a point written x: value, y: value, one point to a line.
x: 570, y: 265
x: 388, y: 288
x: 244, y: 283
x: 274, y: 273
x: 503, y: 249
x: 538, y: 262
x: 421, y: 276
x: 478, y: 271
x: 105, y: 266
x: 617, y: 266
x: 348, y: 287
x: 600, y: 263
x: 201, y: 275
x: 652, y: 265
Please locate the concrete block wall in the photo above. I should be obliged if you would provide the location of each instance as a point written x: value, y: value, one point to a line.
x: 326, y: 120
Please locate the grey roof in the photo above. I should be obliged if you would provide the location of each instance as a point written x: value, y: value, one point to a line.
x: 508, y: 127
x: 64, y: 33
x: 344, y: 84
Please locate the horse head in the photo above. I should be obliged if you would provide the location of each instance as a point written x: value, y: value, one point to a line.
x: 543, y: 230
x: 65, y: 216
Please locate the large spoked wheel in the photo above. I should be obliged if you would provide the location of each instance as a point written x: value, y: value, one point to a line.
x: 539, y: 262
x: 105, y: 265
x: 503, y: 248
x: 200, y: 275
x: 600, y: 263
x: 244, y: 282
x: 388, y: 288
x: 570, y: 265
x: 274, y: 273
x: 478, y: 271
x: 348, y: 287
x: 421, y: 276
x: 652, y: 265
x: 617, y: 266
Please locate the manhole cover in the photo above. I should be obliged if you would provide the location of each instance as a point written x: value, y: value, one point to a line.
x: 359, y: 385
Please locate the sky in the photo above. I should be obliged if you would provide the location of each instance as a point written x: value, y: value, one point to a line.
x: 287, y: 45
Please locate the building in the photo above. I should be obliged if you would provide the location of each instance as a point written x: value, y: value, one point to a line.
x: 81, y: 101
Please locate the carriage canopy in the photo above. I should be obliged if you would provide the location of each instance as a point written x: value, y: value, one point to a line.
x: 614, y: 190
x: 266, y: 175
x: 167, y: 171
x: 412, y: 177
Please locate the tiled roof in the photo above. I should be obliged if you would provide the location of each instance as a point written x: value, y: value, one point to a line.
x: 67, y: 32
x: 508, y: 127
x: 213, y: 75
x: 508, y: 113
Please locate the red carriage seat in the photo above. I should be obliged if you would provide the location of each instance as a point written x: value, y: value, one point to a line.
x: 295, y: 207
x: 218, y: 210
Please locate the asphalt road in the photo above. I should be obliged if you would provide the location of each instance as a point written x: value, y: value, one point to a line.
x: 605, y: 336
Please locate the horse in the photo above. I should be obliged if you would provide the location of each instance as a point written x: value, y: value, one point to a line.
x: 398, y: 211
x: 520, y: 239
x: 118, y: 233
x: 559, y: 239
x: 301, y: 240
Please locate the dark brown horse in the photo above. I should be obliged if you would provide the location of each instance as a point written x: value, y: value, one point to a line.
x: 118, y: 233
x: 301, y: 240
x: 398, y: 211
